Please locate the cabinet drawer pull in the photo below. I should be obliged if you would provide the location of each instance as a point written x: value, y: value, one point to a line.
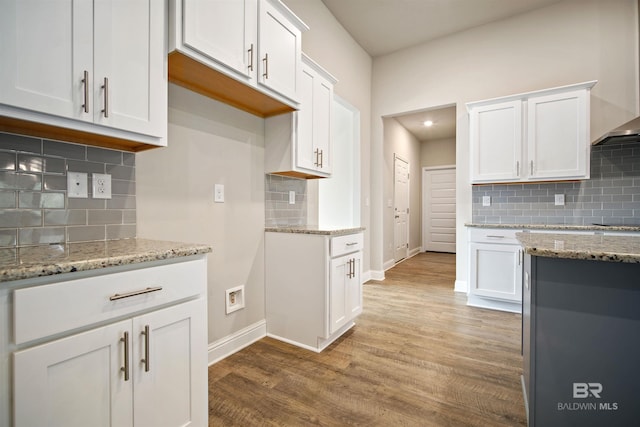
x: 266, y: 66
x: 85, y: 82
x: 250, y: 52
x: 495, y: 236
x: 125, y: 368
x: 146, y: 348
x: 352, y: 243
x: 105, y: 86
x: 134, y: 293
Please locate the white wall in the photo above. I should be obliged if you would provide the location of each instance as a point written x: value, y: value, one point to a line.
x: 210, y: 143
x: 569, y: 42
x: 438, y: 152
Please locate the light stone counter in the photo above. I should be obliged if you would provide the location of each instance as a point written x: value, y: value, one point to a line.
x: 558, y: 227
x: 36, y: 261
x: 587, y: 247
x: 309, y: 229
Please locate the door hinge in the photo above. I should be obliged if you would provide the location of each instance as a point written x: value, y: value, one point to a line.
x: 407, y: 210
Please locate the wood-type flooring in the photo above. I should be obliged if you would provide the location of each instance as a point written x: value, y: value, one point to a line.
x: 418, y: 356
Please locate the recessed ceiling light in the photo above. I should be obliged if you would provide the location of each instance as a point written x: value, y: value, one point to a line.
x: 428, y: 123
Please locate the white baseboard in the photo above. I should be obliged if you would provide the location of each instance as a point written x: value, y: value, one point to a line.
x: 235, y: 342
x: 491, y: 304
x: 322, y: 343
x: 461, y: 286
x: 415, y: 251
x: 388, y: 264
x: 372, y: 275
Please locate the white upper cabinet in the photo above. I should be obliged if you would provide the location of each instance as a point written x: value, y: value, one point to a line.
x: 74, y: 65
x: 537, y: 136
x: 245, y: 53
x: 223, y: 31
x: 298, y: 144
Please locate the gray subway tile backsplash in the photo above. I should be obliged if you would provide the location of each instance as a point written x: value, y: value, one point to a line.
x: 278, y: 211
x: 611, y: 196
x: 34, y: 208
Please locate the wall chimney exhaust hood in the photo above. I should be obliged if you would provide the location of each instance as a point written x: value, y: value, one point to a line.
x: 628, y: 132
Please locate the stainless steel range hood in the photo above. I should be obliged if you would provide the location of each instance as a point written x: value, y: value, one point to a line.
x: 628, y: 132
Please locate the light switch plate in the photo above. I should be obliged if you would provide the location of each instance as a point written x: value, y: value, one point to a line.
x: 77, y: 186
x: 218, y: 193
x: 292, y: 197
x: 486, y: 200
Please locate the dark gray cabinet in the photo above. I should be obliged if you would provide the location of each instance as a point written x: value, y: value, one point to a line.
x: 581, y: 342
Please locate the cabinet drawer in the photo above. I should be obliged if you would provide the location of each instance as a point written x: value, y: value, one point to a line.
x: 346, y: 244
x: 493, y: 235
x: 46, y: 310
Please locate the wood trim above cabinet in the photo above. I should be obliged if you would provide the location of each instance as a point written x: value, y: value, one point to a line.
x: 197, y: 77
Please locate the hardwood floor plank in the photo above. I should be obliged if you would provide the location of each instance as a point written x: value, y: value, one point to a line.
x: 418, y: 356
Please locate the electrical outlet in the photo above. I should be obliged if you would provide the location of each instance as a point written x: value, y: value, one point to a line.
x: 101, y: 185
x: 234, y: 299
x: 559, y: 200
x: 486, y: 200
x: 77, y: 186
x: 292, y: 197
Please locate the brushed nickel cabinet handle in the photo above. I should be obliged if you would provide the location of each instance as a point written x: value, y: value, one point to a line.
x: 250, y: 52
x: 352, y: 243
x: 266, y: 66
x: 115, y: 297
x: 105, y: 86
x: 146, y: 360
x: 85, y: 82
x: 317, y: 154
x: 321, y: 159
x: 125, y: 368
x: 494, y: 236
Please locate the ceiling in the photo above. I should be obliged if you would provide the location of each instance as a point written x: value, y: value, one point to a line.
x: 384, y: 26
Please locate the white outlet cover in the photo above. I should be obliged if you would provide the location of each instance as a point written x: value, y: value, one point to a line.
x: 101, y: 188
x: 486, y: 200
x: 559, y: 200
x: 238, y: 299
x: 292, y: 197
x: 77, y: 186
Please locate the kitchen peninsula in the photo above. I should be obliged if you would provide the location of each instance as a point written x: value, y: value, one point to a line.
x: 105, y: 332
x: 580, y: 327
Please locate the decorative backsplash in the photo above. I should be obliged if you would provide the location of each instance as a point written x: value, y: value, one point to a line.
x: 611, y: 196
x: 34, y: 207
x: 278, y: 211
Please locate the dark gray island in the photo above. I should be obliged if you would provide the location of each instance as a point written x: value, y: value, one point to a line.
x: 581, y: 329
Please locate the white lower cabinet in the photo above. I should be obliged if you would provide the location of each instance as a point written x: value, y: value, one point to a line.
x: 146, y: 369
x: 495, y: 269
x: 313, y: 286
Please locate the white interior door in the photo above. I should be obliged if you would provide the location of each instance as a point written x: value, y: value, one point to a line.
x: 401, y: 210
x: 439, y: 209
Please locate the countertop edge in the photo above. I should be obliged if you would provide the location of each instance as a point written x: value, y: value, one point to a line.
x: 45, y: 268
x: 304, y: 230
x: 557, y: 227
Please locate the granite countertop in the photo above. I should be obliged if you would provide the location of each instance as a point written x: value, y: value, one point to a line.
x: 310, y: 229
x: 45, y: 260
x: 592, y: 227
x: 579, y: 246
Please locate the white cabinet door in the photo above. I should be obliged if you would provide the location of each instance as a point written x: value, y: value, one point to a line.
x: 322, y: 107
x: 304, y: 129
x: 345, y: 290
x: 224, y: 31
x: 496, y: 141
x: 558, y: 136
x: 75, y: 381
x: 496, y: 271
x: 279, y: 51
x: 129, y: 88
x: 170, y: 385
x: 46, y: 46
